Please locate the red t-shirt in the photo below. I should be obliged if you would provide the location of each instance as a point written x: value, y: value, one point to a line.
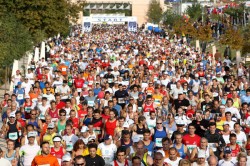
x: 60, y: 105
x: 188, y: 140
x: 79, y: 83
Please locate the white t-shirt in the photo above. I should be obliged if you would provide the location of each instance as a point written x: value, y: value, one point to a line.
x: 121, y: 164
x: 234, y: 111
x: 108, y: 151
x: 29, y: 152
x: 241, y: 137
x: 173, y: 163
x: 231, y: 162
x: 4, y: 162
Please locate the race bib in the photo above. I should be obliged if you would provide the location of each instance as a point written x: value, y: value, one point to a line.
x: 44, y: 165
x: 121, y: 100
x: 212, y: 146
x: 91, y: 103
x: 69, y: 145
x: 173, y: 86
x: 41, y: 116
x: 20, y: 97
x: 97, y: 131
x: 79, y: 89
x: 27, y: 109
x: 158, y: 142
x: 54, y: 120
x: 126, y: 82
x: 64, y: 69
x: 139, y: 109
x: 157, y: 102
x: 239, y: 143
x: 91, y: 82
x: 191, y: 147
x: 215, y: 94
x: 13, y: 136
x: 110, y: 80
x: 140, y: 136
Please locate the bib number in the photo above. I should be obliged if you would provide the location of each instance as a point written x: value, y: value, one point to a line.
x: 20, y: 97
x: 158, y: 142
x: 13, y: 136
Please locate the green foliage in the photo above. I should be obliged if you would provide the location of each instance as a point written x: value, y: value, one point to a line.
x: 194, y: 11
x: 154, y: 12
x: 233, y: 38
x: 204, y: 33
x: 169, y: 18
x: 246, y: 40
x: 15, y: 39
x: 43, y: 18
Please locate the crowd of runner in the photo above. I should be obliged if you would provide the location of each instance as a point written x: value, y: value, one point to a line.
x: 119, y: 98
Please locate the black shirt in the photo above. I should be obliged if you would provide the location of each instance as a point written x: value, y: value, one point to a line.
x: 198, y: 125
x: 178, y: 103
x: 96, y: 161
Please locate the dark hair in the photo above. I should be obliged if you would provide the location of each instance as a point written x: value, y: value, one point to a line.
x: 232, y: 135
x: 166, y: 139
x: 191, y: 124
x: 79, y: 157
x: 212, y: 124
x: 228, y: 113
x: 135, y: 158
x: 76, y: 145
x: 236, y: 124
x: 97, y: 111
x: 92, y: 145
x: 141, y: 118
x: 62, y: 111
x: 121, y: 149
x: 147, y: 131
x: 43, y: 143
x: 30, y: 125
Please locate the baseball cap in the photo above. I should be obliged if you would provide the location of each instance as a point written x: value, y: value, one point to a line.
x: 180, y: 122
x: 135, y: 138
x: 57, y: 139
x: 66, y: 158
x: 27, y: 97
x: 19, y: 83
x: 51, y: 126
x: 141, y: 93
x: 84, y: 129
x: 12, y: 114
x: 107, y: 137
x: 196, y: 75
x: 31, y: 134
x: 227, y: 150
x: 225, y: 123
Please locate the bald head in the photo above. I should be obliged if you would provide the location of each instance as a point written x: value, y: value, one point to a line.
x: 213, y: 161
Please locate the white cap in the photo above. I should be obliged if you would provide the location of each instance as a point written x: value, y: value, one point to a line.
x: 179, y: 122
x: 32, y: 134
x: 84, y: 129
x: 27, y: 97
x: 136, y: 138
x: 201, y: 154
x: 218, y: 72
x: 12, y: 114
x: 101, y: 75
x: 196, y: 75
x: 226, y: 123
x: 51, y: 126
x: 57, y: 139
x: 161, y: 151
x: 204, y: 79
x: 66, y: 157
x: 85, y: 85
x: 218, y: 64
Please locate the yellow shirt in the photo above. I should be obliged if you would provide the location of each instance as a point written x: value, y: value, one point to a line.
x: 157, y: 99
x: 219, y: 125
x: 86, y: 152
x: 49, y: 138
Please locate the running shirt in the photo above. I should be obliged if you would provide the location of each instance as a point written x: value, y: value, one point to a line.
x: 29, y: 152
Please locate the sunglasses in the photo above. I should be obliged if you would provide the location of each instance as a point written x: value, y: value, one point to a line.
x: 158, y: 123
x: 33, y: 114
x: 63, y: 115
x: 12, y: 117
x: 81, y: 164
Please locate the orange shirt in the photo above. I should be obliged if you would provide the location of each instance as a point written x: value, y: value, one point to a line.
x: 48, y: 160
x: 63, y: 69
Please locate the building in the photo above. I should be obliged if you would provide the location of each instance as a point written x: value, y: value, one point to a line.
x: 137, y: 8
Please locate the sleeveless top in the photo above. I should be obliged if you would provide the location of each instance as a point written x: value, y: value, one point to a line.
x: 207, y: 152
x: 148, y: 108
x: 126, y: 145
x: 60, y: 126
x: 58, y: 154
x: 150, y: 147
x: 110, y: 127
x: 236, y: 103
x: 140, y: 130
x: 11, y: 157
x: 181, y: 151
x: 35, y: 123
x: 144, y: 159
x: 158, y: 135
x: 235, y: 151
x: 13, y: 133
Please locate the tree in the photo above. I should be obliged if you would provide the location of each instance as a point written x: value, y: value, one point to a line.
x: 169, y: 18
x: 204, y: 33
x: 195, y: 11
x: 44, y: 18
x: 246, y: 40
x: 154, y: 12
x: 15, y: 39
x: 232, y: 38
